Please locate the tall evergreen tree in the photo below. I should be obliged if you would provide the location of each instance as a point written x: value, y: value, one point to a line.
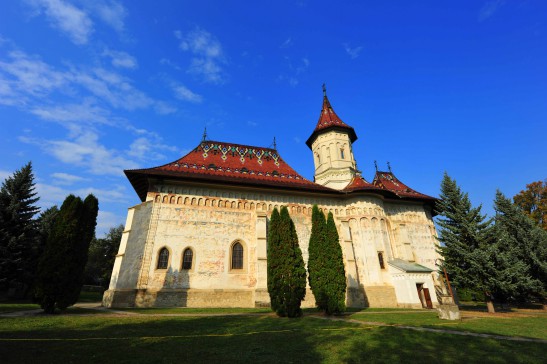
x: 19, y: 243
x: 293, y: 270
x: 465, y: 234
x: 317, y: 257
x: 88, y: 221
x: 275, y: 260
x: 335, y: 285
x: 286, y: 271
x: 61, y: 266
x: 526, y: 243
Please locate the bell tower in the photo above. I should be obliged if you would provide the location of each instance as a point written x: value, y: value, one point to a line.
x: 331, y: 144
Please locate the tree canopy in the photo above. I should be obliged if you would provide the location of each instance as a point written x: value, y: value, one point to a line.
x: 102, y: 253
x: 286, y: 271
x: 481, y: 255
x: 533, y: 201
x: 19, y: 239
x: 326, y: 264
x: 60, y: 271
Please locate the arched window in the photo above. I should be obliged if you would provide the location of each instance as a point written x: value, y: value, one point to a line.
x: 163, y: 258
x: 237, y: 256
x: 187, y: 258
x: 342, y: 153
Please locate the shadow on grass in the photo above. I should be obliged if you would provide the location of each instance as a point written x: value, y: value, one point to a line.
x: 265, y: 339
x: 391, y: 345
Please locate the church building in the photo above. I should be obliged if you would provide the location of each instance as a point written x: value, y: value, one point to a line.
x: 198, y: 238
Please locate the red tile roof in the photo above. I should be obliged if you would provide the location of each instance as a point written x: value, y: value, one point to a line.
x: 388, y: 181
x: 230, y: 163
x: 358, y: 183
x: 329, y: 120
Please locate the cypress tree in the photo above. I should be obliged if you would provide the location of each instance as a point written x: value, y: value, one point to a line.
x: 335, y: 275
x: 275, y: 260
x: 317, y: 257
x: 19, y: 240
x: 293, y: 270
x: 60, y: 272
x: 88, y: 221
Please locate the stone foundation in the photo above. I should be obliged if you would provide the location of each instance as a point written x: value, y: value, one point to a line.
x: 449, y: 312
x: 380, y: 296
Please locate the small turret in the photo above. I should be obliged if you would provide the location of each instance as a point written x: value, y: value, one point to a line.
x: 331, y: 144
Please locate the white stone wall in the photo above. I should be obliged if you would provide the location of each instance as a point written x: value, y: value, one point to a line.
x: 210, y: 220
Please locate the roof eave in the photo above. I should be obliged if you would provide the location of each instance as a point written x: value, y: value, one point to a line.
x: 316, y: 133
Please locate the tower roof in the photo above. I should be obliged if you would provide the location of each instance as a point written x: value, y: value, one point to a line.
x: 228, y: 163
x: 329, y: 120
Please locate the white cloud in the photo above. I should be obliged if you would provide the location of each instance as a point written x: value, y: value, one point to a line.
x: 54, y: 195
x: 85, y: 112
x: 149, y: 147
x: 85, y: 151
x: 121, y: 59
x: 5, y: 174
x: 207, y: 51
x: 107, y: 220
x: 65, y: 179
x: 112, y: 13
x: 28, y: 76
x: 168, y: 62
x: 164, y: 108
x: 287, y: 43
x: 23, y: 77
x: 185, y: 94
x: 252, y: 123
x: 352, y: 52
x: 489, y: 8
x: 71, y: 20
x: 113, y: 88
x: 76, y: 21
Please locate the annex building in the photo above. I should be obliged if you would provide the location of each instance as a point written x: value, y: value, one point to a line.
x: 198, y: 239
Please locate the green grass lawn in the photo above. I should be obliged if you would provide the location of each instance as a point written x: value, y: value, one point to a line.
x: 6, y: 307
x: 191, y: 310
x: 241, y: 339
x: 529, y: 327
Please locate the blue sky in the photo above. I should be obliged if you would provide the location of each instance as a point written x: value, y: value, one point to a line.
x: 91, y: 87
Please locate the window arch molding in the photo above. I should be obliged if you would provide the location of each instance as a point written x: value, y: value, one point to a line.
x: 163, y: 258
x: 238, y: 256
x: 188, y: 258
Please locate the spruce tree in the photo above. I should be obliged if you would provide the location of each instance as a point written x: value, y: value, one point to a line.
x: 335, y: 275
x: 465, y: 235
x: 526, y: 244
x: 19, y: 240
x: 60, y: 271
x: 317, y: 257
x: 275, y: 260
x: 293, y: 270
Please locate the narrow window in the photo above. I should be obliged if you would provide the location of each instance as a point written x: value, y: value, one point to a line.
x: 381, y: 260
x: 163, y: 258
x: 237, y: 256
x: 342, y: 153
x: 187, y: 257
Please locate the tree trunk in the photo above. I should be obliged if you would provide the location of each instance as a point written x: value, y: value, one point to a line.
x: 489, y: 303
